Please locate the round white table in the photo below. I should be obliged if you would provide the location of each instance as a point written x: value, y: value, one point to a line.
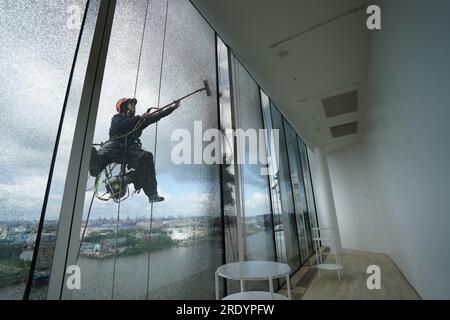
x: 254, y: 271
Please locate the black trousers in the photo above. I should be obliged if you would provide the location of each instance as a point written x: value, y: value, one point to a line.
x: 144, y: 176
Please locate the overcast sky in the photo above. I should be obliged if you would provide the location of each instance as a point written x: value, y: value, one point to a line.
x: 35, y: 61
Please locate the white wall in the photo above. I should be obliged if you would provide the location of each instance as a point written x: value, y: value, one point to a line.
x: 357, y: 214
x: 403, y: 163
x: 323, y: 192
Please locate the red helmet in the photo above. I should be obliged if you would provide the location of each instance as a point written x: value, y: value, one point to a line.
x: 123, y: 101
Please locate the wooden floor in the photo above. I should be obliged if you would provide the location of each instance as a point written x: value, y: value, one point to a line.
x: 353, y: 285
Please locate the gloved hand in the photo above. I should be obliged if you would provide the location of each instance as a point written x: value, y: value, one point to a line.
x: 172, y: 107
x: 175, y: 105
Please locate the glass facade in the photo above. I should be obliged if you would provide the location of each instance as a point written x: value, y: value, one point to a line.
x: 193, y: 205
x: 283, y: 190
x: 181, y: 236
x: 252, y: 204
x: 98, y: 246
x: 273, y: 147
x: 311, y: 216
x: 38, y: 40
x: 254, y: 187
x: 299, y: 191
x: 229, y: 177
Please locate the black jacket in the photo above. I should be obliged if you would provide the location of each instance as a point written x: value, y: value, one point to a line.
x: 122, y: 124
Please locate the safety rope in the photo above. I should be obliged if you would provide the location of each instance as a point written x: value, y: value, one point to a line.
x: 87, y: 221
x: 122, y: 170
x: 156, y: 143
x: 141, y: 49
x: 94, y: 195
x: 123, y: 166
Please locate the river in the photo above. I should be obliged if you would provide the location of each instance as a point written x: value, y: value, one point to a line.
x: 184, y: 273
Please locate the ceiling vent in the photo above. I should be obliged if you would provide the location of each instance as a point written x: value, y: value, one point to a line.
x: 341, y: 104
x: 347, y: 129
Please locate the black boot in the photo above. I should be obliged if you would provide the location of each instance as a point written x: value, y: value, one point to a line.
x: 95, y: 168
x: 155, y: 198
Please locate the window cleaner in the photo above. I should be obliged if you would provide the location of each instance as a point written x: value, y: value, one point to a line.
x: 124, y: 146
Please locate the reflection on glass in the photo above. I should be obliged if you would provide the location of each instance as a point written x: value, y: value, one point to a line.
x: 35, y: 62
x: 193, y: 191
x: 283, y: 187
x: 300, y: 202
x: 255, y: 199
x: 229, y: 170
x: 255, y: 204
x: 185, y: 230
x: 178, y: 245
x: 311, y: 217
x: 272, y: 141
x: 97, y: 250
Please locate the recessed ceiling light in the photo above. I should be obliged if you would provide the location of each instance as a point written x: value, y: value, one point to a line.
x: 284, y: 54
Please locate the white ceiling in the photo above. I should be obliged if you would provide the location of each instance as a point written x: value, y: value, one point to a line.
x: 323, y: 62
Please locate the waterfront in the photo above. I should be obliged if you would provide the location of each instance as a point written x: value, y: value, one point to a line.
x: 182, y: 272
